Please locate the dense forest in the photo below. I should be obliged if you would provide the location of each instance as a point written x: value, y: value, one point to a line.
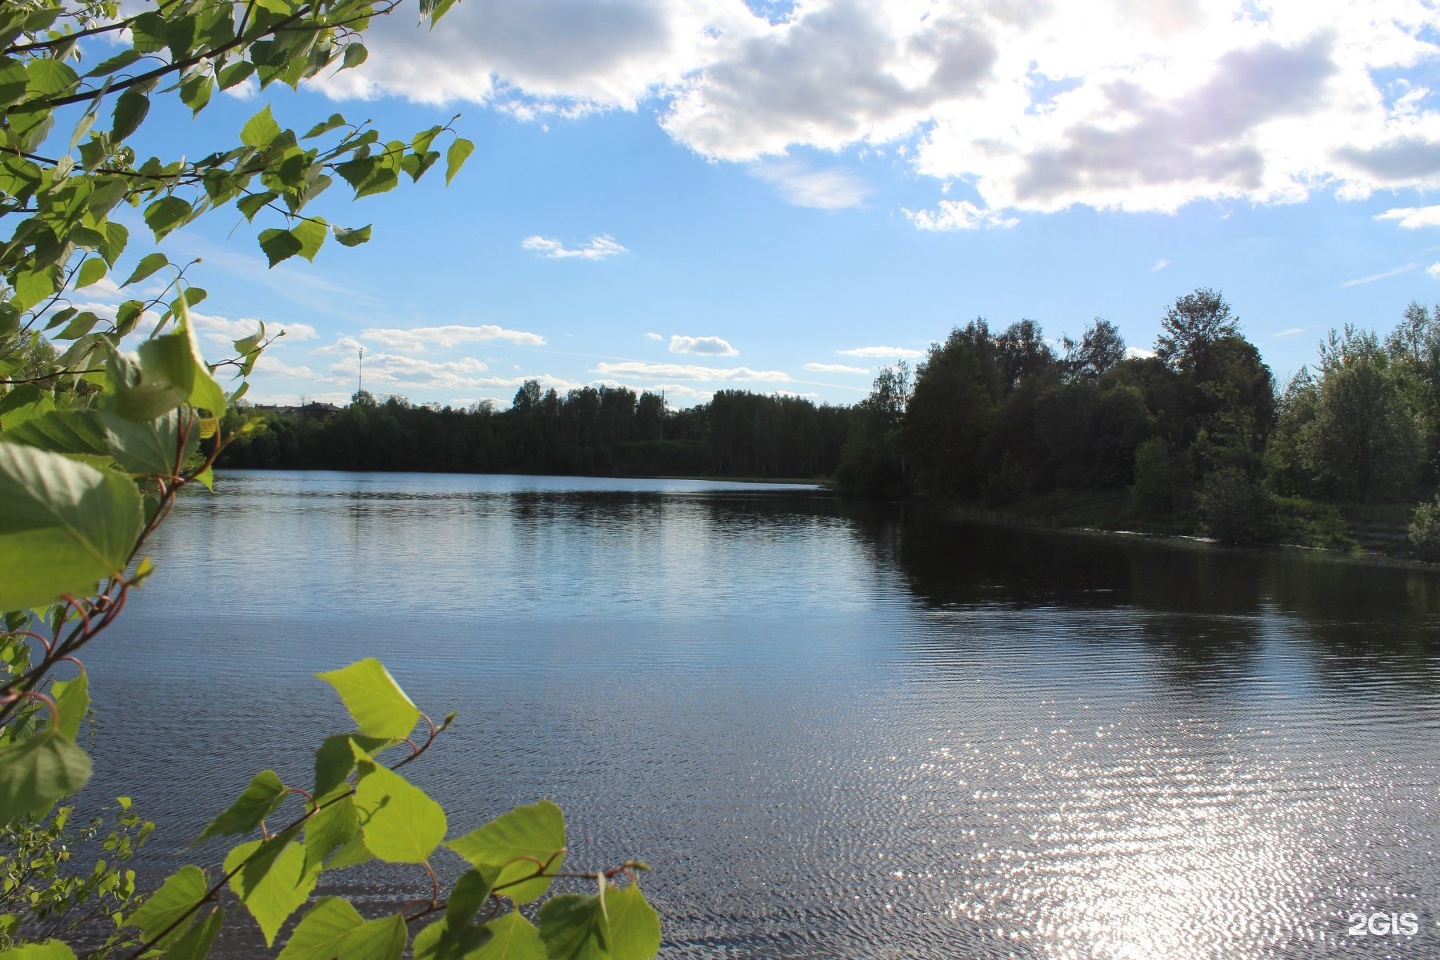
x: 1194, y: 436
x: 600, y: 431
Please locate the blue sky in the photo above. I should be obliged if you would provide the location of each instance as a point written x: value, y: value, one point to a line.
x: 693, y: 195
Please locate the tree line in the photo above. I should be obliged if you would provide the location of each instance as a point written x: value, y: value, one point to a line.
x: 590, y: 430
x: 1192, y: 436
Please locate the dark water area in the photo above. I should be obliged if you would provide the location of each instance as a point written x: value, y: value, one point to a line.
x: 835, y: 731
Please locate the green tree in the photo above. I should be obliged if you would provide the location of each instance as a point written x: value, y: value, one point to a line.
x: 1365, y: 444
x: 1100, y: 350
x: 1191, y: 325
x: 97, y: 441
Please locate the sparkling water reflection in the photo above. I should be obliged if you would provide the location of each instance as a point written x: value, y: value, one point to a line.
x: 835, y: 732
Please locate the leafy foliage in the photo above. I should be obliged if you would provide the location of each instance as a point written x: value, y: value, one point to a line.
x: 105, y: 419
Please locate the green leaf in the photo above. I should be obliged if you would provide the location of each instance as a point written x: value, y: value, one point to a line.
x: 469, y: 895
x: 72, y: 701
x: 325, y: 126
x: 456, y: 156
x: 321, y: 933
x: 331, y: 828
x: 253, y: 203
x: 235, y: 73
x: 311, y: 233
x: 178, y: 896
x: 373, y: 698
x: 74, y: 432
x: 634, y: 924
x: 120, y: 61
x: 149, y: 447
x: 12, y: 81
x: 355, y: 55
x: 333, y: 763
x: 279, y: 245
x: 23, y: 404
x: 275, y: 882
x: 509, y: 937
x: 90, y: 272
x: 256, y: 802
x: 48, y: 950
x: 38, y: 770
x: 351, y: 238
x: 63, y: 526
x: 48, y: 77
x: 574, y: 927
x: 196, y: 942
x: 130, y: 109
x: 260, y: 129
x: 160, y: 381
x: 116, y: 237
x: 195, y: 91
x: 148, y: 264
x: 520, y: 843
x: 205, y: 393
x: 32, y: 286
x: 399, y: 823
x: 382, y: 939
x: 166, y: 214
x: 441, y: 941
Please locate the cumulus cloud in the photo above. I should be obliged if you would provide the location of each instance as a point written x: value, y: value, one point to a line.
x: 679, y: 371
x: 884, y: 353
x: 597, y: 249
x: 418, y: 339
x: 835, y: 368
x: 653, y: 336
x: 1433, y: 270
x: 804, y: 186
x: 1035, y: 106
x: 957, y: 215
x: 709, y: 346
x: 272, y: 365
x: 1412, y: 218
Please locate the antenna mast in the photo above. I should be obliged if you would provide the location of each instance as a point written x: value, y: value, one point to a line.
x: 360, y: 387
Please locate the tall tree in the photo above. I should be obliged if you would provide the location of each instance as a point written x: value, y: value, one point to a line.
x: 1191, y: 325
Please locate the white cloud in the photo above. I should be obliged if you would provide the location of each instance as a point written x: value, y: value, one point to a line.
x: 597, y: 249
x: 653, y: 336
x: 804, y: 186
x: 679, y: 371
x: 1413, y: 217
x: 270, y: 364
x: 835, y: 368
x: 1384, y: 275
x: 393, y: 373
x: 957, y: 215
x: 1433, y: 270
x: 1036, y: 106
x: 709, y: 346
x: 884, y: 353
x: 1159, y: 265
x: 223, y: 329
x: 1288, y: 332
x: 1138, y: 353
x: 535, y: 57
x: 418, y: 339
x: 344, y: 346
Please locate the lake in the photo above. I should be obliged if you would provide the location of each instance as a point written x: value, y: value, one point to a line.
x: 835, y: 731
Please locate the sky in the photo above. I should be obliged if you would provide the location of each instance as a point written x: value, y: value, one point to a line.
x: 696, y: 195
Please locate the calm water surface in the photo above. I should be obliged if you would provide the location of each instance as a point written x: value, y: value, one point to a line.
x: 835, y: 732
